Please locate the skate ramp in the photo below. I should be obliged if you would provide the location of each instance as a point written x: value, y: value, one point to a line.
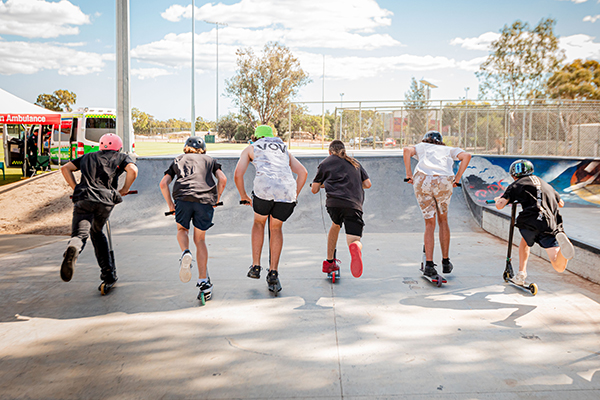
x: 390, y: 205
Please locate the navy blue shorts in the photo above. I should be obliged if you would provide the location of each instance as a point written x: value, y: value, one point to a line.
x: 200, y: 214
x: 278, y: 209
x: 545, y: 240
x: 349, y: 217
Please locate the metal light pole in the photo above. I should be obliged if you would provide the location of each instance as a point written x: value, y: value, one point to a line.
x: 323, y: 108
x: 217, y: 86
x: 123, y: 77
x: 467, y: 93
x: 193, y: 131
x: 341, y: 113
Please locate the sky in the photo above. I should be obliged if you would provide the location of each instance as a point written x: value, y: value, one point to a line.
x: 370, y: 49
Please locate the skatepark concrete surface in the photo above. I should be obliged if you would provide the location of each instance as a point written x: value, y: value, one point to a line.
x: 389, y: 334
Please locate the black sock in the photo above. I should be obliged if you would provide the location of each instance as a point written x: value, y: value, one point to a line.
x: 330, y: 261
x: 429, y: 263
x: 446, y: 260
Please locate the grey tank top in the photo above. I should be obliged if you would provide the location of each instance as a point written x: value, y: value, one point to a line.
x: 274, y: 179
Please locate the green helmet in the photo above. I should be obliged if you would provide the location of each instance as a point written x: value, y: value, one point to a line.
x: 521, y: 168
x: 263, y: 131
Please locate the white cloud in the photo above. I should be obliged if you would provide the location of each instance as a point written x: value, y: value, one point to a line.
x: 591, y: 18
x: 347, y: 24
x: 575, y: 46
x: 482, y: 42
x: 580, y: 46
x: 174, y: 51
x: 146, y: 73
x: 39, y: 18
x: 29, y: 58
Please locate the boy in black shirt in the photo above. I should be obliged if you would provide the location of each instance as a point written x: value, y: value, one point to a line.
x: 344, y: 180
x: 94, y: 198
x: 539, y: 221
x: 196, y: 195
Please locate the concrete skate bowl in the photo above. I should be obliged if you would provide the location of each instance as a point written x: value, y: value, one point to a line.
x: 390, y: 205
x: 577, y: 180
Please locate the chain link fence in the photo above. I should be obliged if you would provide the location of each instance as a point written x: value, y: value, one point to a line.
x: 561, y: 128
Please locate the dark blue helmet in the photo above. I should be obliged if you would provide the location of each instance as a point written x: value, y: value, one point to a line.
x: 196, y: 142
x: 434, y: 135
x: 521, y: 168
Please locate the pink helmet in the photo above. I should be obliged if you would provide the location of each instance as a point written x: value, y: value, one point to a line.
x: 110, y: 141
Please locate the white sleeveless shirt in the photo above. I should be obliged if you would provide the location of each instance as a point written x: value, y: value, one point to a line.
x: 274, y: 179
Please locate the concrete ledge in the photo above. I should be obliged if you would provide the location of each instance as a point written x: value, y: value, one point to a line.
x: 587, y: 257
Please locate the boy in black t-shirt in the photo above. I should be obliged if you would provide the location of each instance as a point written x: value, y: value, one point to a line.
x: 196, y: 194
x: 539, y: 221
x: 94, y: 198
x: 344, y: 180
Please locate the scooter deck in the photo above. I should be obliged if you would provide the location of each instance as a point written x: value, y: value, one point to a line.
x: 333, y: 276
x: 274, y: 288
x: 532, y: 287
x: 105, y: 288
x: 437, y: 279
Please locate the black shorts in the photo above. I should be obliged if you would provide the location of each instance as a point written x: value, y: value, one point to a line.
x: 278, y: 209
x: 545, y: 240
x: 200, y: 214
x: 349, y: 217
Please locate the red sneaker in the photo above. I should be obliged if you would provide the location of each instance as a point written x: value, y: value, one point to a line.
x: 356, y: 265
x: 330, y: 266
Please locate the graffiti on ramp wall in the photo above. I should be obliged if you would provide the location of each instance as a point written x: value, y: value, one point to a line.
x: 577, y: 181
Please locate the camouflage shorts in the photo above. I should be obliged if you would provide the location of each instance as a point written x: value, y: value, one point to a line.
x: 433, y: 192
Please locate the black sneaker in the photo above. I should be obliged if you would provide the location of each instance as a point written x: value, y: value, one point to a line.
x: 68, y: 264
x: 430, y: 271
x: 206, y: 288
x: 254, y: 271
x: 273, y: 281
x: 447, y: 266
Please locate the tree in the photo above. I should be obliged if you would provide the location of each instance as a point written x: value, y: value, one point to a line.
x: 263, y: 86
x: 204, y: 125
x: 228, y: 126
x: 520, y: 61
x: 579, y: 80
x: 142, y: 122
x: 60, y: 100
x: 416, y: 103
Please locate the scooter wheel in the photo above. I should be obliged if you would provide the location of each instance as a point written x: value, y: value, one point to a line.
x: 505, y: 276
x: 333, y: 277
x: 439, y: 282
x: 533, y: 288
x: 202, y: 299
x: 103, y: 289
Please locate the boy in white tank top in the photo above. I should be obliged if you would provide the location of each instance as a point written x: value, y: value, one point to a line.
x: 274, y: 195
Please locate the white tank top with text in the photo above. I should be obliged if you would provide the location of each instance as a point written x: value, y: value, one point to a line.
x: 274, y: 179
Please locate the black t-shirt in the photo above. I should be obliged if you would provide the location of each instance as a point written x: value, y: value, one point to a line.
x: 539, y: 201
x: 100, y: 173
x: 343, y: 182
x: 195, y: 181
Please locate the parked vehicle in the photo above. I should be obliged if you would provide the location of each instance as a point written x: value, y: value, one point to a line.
x: 390, y: 142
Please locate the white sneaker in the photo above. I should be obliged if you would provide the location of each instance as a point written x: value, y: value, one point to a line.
x: 519, y: 278
x: 566, y: 247
x: 185, y: 266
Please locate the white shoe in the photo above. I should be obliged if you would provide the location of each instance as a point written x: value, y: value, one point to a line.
x: 519, y: 278
x: 566, y: 247
x: 185, y: 266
